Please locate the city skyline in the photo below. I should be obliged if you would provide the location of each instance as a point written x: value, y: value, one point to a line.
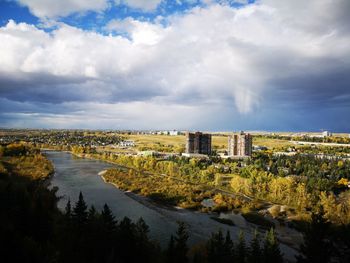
x: 186, y: 65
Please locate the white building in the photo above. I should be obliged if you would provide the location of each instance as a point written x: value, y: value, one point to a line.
x: 326, y: 134
x: 174, y: 133
x: 127, y: 143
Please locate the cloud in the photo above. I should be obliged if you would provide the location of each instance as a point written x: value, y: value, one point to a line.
x: 210, y: 61
x: 54, y: 8
x: 145, y: 5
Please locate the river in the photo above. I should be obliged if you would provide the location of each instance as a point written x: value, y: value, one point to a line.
x: 73, y: 175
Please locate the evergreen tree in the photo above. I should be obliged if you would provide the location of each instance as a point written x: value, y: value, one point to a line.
x: 316, y: 247
x: 68, y: 209
x: 255, y: 252
x: 215, y: 248
x: 170, y: 252
x: 143, y: 245
x: 181, y: 243
x: 127, y: 240
x: 142, y: 229
x: 108, y: 219
x: 271, y: 251
x: 229, y: 248
x: 241, y: 248
x: 92, y: 214
x: 80, y: 211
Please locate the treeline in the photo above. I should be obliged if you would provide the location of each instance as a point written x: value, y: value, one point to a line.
x: 299, y: 182
x: 328, y: 139
x: 63, y: 137
x: 162, y: 189
x: 24, y: 160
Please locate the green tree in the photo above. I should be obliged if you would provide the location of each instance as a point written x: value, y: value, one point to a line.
x: 181, y: 247
x: 108, y: 219
x: 241, y: 248
x: 255, y: 252
x: 229, y: 248
x: 80, y: 211
x: 170, y: 255
x: 215, y: 248
x: 68, y: 209
x: 271, y: 251
x: 316, y: 247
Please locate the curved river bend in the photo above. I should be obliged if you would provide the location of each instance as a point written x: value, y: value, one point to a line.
x: 73, y: 175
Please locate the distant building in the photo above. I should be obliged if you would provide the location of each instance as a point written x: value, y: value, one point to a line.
x: 326, y: 134
x: 148, y: 153
x: 240, y: 144
x: 174, y: 133
x: 198, y: 143
x: 127, y: 143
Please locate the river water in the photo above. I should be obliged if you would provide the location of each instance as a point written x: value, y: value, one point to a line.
x: 73, y: 175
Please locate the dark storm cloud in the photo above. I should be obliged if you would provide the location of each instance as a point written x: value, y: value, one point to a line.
x: 44, y: 87
x: 310, y: 90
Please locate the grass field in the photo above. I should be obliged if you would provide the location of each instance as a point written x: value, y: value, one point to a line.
x: 218, y: 142
x: 271, y: 143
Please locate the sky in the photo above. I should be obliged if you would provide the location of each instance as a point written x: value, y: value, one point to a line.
x: 214, y: 65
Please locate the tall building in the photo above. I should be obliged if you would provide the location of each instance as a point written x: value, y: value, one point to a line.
x: 240, y: 144
x: 198, y: 143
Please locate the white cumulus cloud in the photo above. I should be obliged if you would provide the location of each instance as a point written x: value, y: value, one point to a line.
x: 215, y: 59
x: 58, y: 8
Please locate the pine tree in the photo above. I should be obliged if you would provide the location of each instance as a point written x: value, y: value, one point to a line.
x: 80, y: 211
x: 68, y: 209
x: 108, y: 219
x: 142, y: 229
x: 92, y: 214
x: 170, y: 252
x: 241, y: 249
x: 143, y: 245
x: 255, y: 252
x: 271, y: 251
x: 228, y: 248
x: 215, y: 248
x: 316, y: 247
x: 181, y: 243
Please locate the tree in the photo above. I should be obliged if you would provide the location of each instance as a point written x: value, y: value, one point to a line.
x: 170, y: 252
x: 181, y: 248
x: 92, y: 214
x: 215, y: 248
x: 255, y: 252
x: 142, y: 230
x: 68, y: 209
x: 271, y: 251
x: 80, y: 211
x: 229, y: 248
x: 181, y: 242
x: 108, y: 219
x: 316, y: 247
x: 241, y: 249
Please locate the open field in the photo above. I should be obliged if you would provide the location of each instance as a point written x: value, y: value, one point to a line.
x: 271, y: 143
x: 151, y: 141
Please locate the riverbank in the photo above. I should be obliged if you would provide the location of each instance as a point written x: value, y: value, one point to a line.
x: 285, y: 235
x: 164, y: 206
x: 157, y: 206
x: 162, y: 222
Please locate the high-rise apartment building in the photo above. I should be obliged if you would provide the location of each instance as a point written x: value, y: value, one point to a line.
x: 240, y: 144
x: 198, y: 143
